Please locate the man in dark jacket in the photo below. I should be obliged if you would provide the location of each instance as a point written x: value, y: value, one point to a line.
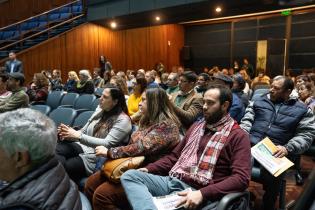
x: 34, y: 177
x: 286, y: 121
x: 13, y: 64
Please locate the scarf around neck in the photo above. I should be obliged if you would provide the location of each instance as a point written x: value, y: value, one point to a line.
x: 202, y: 171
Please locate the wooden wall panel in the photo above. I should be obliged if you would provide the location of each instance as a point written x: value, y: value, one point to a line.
x: 16, y: 10
x: 126, y: 49
x: 137, y: 54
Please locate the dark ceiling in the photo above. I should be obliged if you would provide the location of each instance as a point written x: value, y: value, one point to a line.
x: 200, y: 11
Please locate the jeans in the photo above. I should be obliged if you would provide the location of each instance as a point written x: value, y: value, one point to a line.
x: 141, y: 186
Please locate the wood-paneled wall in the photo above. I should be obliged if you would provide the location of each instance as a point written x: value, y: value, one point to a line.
x: 16, y: 10
x: 125, y: 49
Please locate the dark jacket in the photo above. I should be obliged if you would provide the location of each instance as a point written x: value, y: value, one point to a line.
x: 18, y: 66
x: 87, y: 88
x: 237, y: 109
x: 48, y: 187
x: 291, y: 125
x: 70, y: 86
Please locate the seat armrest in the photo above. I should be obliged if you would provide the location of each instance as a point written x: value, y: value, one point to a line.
x: 65, y: 106
x: 229, y: 199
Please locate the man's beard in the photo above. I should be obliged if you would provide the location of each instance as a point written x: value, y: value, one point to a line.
x: 215, y: 117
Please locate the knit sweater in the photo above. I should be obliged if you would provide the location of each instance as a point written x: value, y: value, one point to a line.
x: 232, y: 170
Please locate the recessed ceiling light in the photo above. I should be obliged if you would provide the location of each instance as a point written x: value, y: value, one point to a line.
x: 157, y: 18
x: 218, y: 9
x: 113, y: 24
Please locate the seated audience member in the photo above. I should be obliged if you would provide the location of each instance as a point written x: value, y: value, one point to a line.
x: 140, y: 73
x: 163, y: 83
x: 236, y: 66
x: 231, y: 72
x: 97, y: 79
x: 106, y: 79
x: 150, y: 77
x: 247, y: 80
x: 225, y: 72
x: 4, y: 93
x: 38, y: 90
x: 202, y: 83
x: 261, y: 79
x: 197, y: 162
x: 109, y: 126
x: 249, y: 68
x: 122, y: 75
x: 172, y: 83
x: 28, y: 164
x: 72, y: 81
x: 135, y: 98
x: 286, y: 121
x: 131, y: 76
x: 157, y: 135
x: 237, y: 109
x: 187, y: 103
x: 301, y: 79
x: 238, y: 87
x: 306, y: 95
x: 121, y: 84
x: 85, y: 84
x: 55, y: 80
x: 19, y: 98
x: 157, y: 76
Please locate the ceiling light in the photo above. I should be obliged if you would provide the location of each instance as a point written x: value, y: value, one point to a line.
x: 113, y: 24
x: 218, y: 9
x: 157, y: 18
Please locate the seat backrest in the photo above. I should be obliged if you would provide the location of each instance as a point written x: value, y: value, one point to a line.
x: 82, y: 119
x: 95, y: 104
x: 63, y: 115
x: 69, y: 99
x: 85, y: 101
x: 54, y: 98
x: 98, y: 92
x: 45, y: 109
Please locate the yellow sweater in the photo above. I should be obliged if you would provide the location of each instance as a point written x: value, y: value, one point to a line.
x: 133, y: 104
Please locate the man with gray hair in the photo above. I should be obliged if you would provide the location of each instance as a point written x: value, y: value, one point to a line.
x: 27, y: 154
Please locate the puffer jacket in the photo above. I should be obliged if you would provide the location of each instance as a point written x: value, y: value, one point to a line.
x: 47, y: 187
x: 291, y: 124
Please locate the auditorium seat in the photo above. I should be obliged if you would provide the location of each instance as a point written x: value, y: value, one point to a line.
x: 54, y: 99
x: 95, y: 104
x: 45, y: 109
x: 69, y: 99
x: 63, y: 115
x: 82, y: 119
x: 84, y: 102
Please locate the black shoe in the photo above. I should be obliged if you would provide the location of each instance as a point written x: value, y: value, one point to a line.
x: 299, y: 179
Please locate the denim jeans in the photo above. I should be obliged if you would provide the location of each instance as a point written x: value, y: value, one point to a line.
x: 140, y: 187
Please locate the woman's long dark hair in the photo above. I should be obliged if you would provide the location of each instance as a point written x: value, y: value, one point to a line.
x: 121, y: 105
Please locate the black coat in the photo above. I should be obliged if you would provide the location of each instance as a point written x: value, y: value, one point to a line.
x: 47, y: 187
